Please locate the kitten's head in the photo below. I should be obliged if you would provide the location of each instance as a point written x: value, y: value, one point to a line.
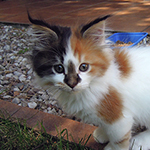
x: 67, y: 58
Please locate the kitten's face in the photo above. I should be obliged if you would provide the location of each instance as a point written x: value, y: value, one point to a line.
x: 69, y: 60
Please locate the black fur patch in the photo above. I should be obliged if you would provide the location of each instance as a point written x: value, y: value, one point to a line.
x: 87, y: 26
x: 43, y: 62
x: 46, y: 52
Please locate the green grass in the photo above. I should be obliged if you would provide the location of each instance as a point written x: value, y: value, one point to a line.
x: 23, y: 51
x: 15, y: 135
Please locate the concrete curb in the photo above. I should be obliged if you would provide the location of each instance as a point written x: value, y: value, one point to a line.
x: 75, y: 129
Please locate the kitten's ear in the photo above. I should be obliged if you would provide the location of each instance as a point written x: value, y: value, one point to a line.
x: 41, y: 31
x: 95, y: 29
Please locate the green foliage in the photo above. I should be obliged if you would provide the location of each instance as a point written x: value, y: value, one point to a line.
x: 23, y: 51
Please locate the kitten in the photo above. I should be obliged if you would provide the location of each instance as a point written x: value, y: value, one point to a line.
x: 109, y: 88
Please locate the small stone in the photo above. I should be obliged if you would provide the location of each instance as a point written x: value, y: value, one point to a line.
x: 9, y: 75
x: 53, y: 110
x: 50, y: 112
x: 16, y: 100
x: 16, y: 89
x: 45, y: 111
x: 54, y: 103
x: 28, y: 66
x: 40, y: 92
x: 45, y: 97
x: 40, y: 100
x: 29, y: 77
x: 49, y: 108
x: 47, y: 102
x: 30, y: 71
x: 7, y: 47
x: 20, y: 85
x: 15, y: 52
x: 12, y: 57
x: 32, y: 105
x: 16, y: 93
x: 33, y: 99
x: 7, y: 96
x: 17, y: 73
x: 43, y: 107
x: 19, y: 104
x: 12, y: 61
x: 19, y: 59
x: 15, y: 77
x: 2, y: 68
x: 24, y: 104
x: 24, y: 60
x: 60, y: 112
x: 22, y: 78
x: 16, y: 64
x: 63, y: 115
x: 6, y: 82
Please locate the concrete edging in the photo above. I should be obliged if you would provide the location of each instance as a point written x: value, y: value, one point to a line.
x: 76, y: 129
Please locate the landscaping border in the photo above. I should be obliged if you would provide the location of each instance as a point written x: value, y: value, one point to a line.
x: 75, y: 129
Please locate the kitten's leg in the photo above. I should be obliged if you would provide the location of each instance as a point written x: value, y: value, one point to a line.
x: 100, y: 135
x: 141, y: 141
x: 119, y: 134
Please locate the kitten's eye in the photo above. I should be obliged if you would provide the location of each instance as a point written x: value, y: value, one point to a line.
x: 59, y: 68
x: 84, y: 67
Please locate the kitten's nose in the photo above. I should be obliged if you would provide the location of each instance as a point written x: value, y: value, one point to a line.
x: 72, y: 80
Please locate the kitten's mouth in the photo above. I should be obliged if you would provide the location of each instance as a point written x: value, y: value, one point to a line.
x: 72, y: 90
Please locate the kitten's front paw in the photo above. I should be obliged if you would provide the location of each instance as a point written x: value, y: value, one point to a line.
x: 140, y: 141
x: 100, y: 136
x: 110, y: 147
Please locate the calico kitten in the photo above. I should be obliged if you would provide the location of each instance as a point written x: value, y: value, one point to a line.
x: 109, y: 88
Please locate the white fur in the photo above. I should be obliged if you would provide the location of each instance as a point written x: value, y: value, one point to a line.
x: 141, y: 141
x: 84, y: 98
x: 134, y: 89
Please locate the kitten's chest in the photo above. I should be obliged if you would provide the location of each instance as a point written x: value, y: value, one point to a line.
x: 82, y: 105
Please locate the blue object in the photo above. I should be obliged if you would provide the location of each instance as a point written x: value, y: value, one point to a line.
x: 134, y: 37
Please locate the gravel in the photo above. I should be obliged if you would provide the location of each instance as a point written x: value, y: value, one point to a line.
x: 16, y: 75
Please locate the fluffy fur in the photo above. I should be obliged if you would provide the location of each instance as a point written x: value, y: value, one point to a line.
x: 109, y: 88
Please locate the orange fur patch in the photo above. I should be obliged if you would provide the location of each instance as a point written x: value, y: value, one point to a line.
x: 92, y: 54
x: 98, y: 61
x: 77, y: 46
x: 122, y: 59
x: 110, y: 109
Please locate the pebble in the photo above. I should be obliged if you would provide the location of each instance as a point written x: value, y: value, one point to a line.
x: 54, y: 102
x: 45, y: 97
x: 6, y: 47
x: 16, y: 100
x: 17, y: 73
x: 22, y: 78
x: 24, y: 103
x: 16, y: 77
x: 30, y: 71
x: 6, y: 96
x: 32, y: 105
x: 16, y: 89
x: 9, y: 75
x: 45, y: 111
